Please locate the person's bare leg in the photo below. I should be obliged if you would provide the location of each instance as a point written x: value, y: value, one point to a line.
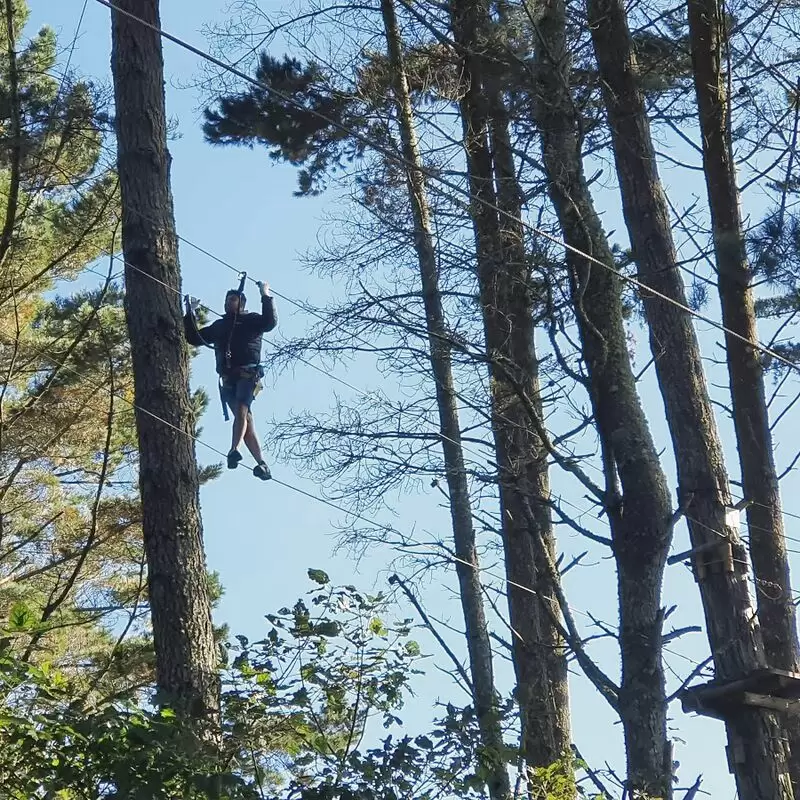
x: 261, y: 470
x: 240, y: 419
x: 251, y: 439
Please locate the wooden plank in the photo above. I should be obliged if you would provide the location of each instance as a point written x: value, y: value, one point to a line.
x: 776, y: 689
x: 773, y: 703
x: 701, y: 548
x: 693, y: 705
x: 764, y: 681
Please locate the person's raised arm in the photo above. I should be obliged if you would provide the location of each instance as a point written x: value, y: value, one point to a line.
x: 269, y: 318
x: 194, y: 335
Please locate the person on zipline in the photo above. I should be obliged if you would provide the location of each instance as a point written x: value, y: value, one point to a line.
x: 236, y: 339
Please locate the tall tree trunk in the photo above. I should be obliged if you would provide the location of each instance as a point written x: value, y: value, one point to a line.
x: 168, y: 479
x: 538, y: 656
x: 553, y: 714
x: 768, y: 547
x: 702, y: 477
x: 776, y: 611
x: 479, y: 648
x: 15, y: 129
x: 638, y: 503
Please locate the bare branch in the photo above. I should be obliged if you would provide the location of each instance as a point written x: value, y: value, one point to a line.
x: 396, y: 579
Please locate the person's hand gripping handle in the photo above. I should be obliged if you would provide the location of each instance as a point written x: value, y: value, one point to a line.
x: 192, y: 304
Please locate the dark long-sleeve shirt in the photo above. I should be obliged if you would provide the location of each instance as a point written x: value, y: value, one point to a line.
x: 241, y: 334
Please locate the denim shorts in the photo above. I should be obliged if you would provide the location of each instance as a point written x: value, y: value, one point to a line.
x: 239, y: 390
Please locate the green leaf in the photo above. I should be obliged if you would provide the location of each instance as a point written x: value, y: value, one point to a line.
x: 377, y: 627
x: 329, y: 628
x: 300, y: 697
x: 319, y: 576
x: 412, y: 649
x: 20, y: 618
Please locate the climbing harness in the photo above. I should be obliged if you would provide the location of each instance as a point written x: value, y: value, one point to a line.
x: 242, y: 300
x: 248, y: 372
x: 254, y: 372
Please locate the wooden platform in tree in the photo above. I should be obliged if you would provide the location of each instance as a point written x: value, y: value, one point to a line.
x: 774, y: 689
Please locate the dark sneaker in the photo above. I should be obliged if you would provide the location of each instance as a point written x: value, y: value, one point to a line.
x: 234, y: 457
x: 262, y: 471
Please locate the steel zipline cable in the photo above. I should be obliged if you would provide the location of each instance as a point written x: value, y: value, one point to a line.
x: 436, y: 178
x: 405, y: 539
x: 400, y: 159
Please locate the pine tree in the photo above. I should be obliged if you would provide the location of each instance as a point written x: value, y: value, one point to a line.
x: 70, y: 565
x: 517, y: 415
x: 168, y: 474
x: 636, y: 496
x: 482, y: 684
x: 707, y: 35
x: 674, y: 345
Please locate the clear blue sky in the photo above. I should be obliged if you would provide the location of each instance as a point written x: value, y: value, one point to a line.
x: 262, y: 538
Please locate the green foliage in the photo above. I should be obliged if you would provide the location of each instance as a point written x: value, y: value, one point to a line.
x: 321, y: 123
x: 20, y: 617
x: 326, y: 657
x: 319, y: 576
x: 432, y: 72
x: 295, y: 709
x: 662, y: 56
x: 307, y: 135
x: 71, y: 560
x: 554, y: 782
x: 774, y: 248
x: 60, y: 125
x: 54, y: 743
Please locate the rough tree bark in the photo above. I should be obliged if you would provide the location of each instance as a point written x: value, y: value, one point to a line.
x: 479, y: 648
x: 168, y: 477
x: 554, y: 721
x: 15, y: 129
x: 538, y: 655
x: 768, y: 547
x: 776, y: 610
x: 637, y: 501
x: 702, y: 476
